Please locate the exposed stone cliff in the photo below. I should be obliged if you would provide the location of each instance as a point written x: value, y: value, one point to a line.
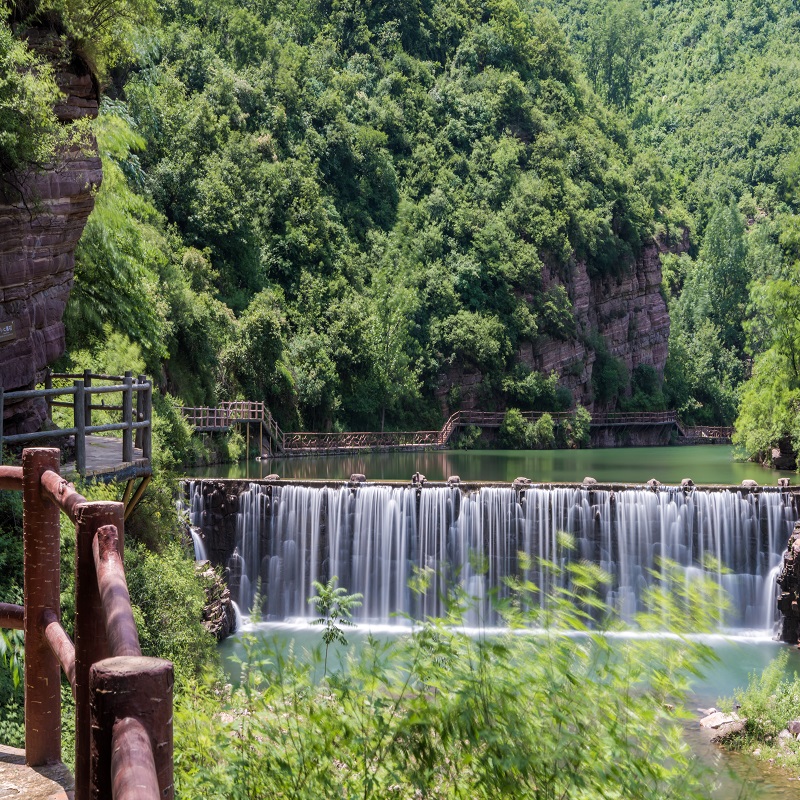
x: 38, y: 237
x: 627, y: 310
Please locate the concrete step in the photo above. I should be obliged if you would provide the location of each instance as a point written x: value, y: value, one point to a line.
x: 18, y: 782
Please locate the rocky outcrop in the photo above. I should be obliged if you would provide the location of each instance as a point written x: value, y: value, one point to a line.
x: 626, y: 310
x: 219, y: 617
x: 38, y: 236
x: 789, y: 581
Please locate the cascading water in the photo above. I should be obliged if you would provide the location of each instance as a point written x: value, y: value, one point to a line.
x: 195, y: 513
x: 375, y: 539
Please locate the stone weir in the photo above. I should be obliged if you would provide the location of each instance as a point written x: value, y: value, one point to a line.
x: 275, y: 538
x: 38, y: 236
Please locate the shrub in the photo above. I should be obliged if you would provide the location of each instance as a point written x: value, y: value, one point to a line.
x: 542, y: 433
x: 514, y: 432
x: 577, y: 430
x: 437, y: 713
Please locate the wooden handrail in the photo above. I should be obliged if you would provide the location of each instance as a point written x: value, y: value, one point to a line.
x: 221, y: 417
x: 60, y: 643
x: 104, y: 626
x: 12, y: 616
x: 138, y: 424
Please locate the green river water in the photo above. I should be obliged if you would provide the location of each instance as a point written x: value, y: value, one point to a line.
x: 734, y: 776
x: 703, y: 464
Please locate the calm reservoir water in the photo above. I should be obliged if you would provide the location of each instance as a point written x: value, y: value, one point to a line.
x: 702, y: 463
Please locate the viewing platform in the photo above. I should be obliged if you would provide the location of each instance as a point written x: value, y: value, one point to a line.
x: 97, y: 407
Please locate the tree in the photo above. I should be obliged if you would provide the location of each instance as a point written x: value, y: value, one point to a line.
x: 723, y: 273
x: 395, y: 376
x: 28, y: 125
x: 616, y: 40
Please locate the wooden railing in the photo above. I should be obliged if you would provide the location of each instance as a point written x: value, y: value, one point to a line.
x: 234, y: 412
x: 135, y: 422
x: 123, y: 701
x: 226, y: 414
x: 707, y: 432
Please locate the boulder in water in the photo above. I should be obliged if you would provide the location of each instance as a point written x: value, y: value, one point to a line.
x: 722, y: 725
x: 521, y: 482
x: 272, y: 477
x: 687, y: 483
x: 453, y: 480
x: 653, y: 483
x: 589, y: 481
x: 784, y: 483
x: 418, y: 479
x: 749, y: 484
x: 357, y: 477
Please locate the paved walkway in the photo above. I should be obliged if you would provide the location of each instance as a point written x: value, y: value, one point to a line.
x: 43, y: 783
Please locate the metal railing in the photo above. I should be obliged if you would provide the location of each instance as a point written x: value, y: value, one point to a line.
x: 123, y: 700
x: 135, y: 424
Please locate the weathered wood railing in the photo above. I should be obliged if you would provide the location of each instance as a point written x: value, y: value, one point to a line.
x: 707, y: 432
x: 135, y: 424
x: 225, y: 415
x: 123, y: 701
x: 208, y: 419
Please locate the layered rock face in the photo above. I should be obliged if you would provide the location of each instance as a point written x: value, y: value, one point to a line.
x: 627, y: 311
x: 38, y: 236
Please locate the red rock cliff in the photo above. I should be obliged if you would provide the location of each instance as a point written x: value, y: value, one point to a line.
x: 628, y: 311
x: 37, y: 243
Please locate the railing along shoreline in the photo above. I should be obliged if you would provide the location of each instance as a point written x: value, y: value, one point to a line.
x: 227, y: 414
x: 123, y: 700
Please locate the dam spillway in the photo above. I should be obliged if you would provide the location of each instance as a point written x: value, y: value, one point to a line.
x: 376, y: 538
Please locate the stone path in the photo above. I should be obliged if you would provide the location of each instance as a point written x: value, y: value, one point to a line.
x: 17, y: 781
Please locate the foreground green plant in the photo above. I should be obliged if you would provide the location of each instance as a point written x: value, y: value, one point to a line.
x: 563, y: 713
x: 769, y: 703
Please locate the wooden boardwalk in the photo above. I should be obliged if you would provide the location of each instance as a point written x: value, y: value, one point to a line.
x: 97, y: 453
x: 52, y: 782
x: 104, y: 461
x: 245, y: 412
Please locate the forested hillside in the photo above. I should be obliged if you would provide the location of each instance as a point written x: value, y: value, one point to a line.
x: 328, y: 206
x: 360, y: 212
x: 712, y: 89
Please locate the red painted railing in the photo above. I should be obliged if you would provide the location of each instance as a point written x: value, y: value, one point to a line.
x: 123, y: 701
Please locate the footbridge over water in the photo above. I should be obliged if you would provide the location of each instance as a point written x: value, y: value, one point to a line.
x: 274, y: 441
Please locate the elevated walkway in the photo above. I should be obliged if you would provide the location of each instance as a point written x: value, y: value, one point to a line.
x: 97, y: 453
x: 273, y: 441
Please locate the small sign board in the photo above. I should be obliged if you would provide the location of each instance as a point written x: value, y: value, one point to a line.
x: 7, y: 331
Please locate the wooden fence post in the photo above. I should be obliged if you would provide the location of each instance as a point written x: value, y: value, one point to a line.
x: 139, y: 411
x: 147, y: 433
x: 87, y: 398
x: 42, y: 579
x: 91, y: 641
x: 127, y: 418
x: 48, y: 384
x: 138, y: 689
x: 79, y: 416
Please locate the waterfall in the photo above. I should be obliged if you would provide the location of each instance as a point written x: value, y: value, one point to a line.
x: 195, y: 515
x: 376, y: 539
